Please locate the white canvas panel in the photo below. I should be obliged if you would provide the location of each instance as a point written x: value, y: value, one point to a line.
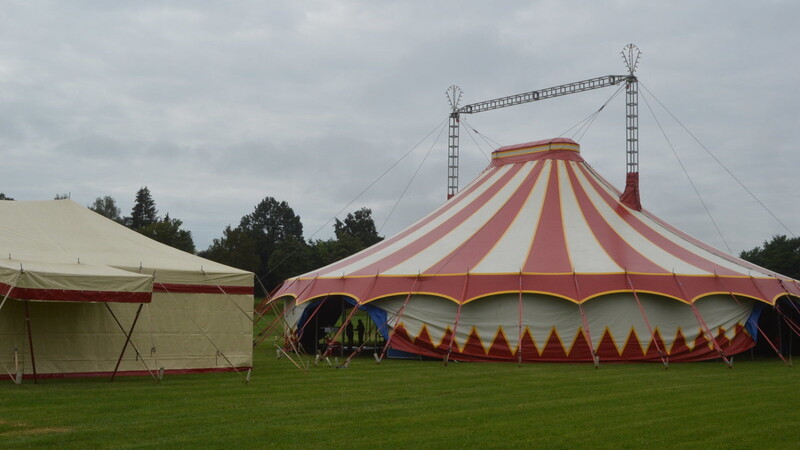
x: 513, y: 246
x: 643, y: 245
x: 679, y: 241
x: 462, y: 232
x: 358, y: 262
x: 586, y: 253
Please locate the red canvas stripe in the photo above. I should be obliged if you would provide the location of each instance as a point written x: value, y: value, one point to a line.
x: 201, y: 289
x: 653, y: 236
x: 561, y: 285
x: 548, y: 253
x: 623, y: 254
x: 476, y: 248
x: 440, y: 231
x: 452, y: 203
x: 63, y: 295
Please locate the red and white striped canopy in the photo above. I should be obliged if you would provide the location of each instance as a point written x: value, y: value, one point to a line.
x: 539, y: 219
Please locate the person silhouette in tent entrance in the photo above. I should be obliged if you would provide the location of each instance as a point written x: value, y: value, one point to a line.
x: 360, y: 331
x: 349, y: 333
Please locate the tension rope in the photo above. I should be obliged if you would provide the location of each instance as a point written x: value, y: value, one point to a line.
x: 661, y: 353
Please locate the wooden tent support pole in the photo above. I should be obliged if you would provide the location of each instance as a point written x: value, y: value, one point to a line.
x: 136, y: 349
x: 458, y: 317
x: 127, y: 340
x: 399, y: 318
x: 30, y: 340
x: 265, y: 333
x: 661, y: 353
x: 329, y: 349
x: 16, y: 358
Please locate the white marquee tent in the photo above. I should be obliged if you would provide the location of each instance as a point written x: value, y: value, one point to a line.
x: 74, y: 285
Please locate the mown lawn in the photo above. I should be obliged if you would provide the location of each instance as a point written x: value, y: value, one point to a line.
x: 415, y: 404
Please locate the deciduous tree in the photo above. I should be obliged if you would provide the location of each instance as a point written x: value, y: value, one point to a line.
x: 107, y: 207
x: 781, y: 254
x: 168, y: 231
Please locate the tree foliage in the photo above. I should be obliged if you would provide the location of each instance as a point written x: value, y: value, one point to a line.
x: 5, y: 197
x: 781, y: 255
x: 168, y: 231
x: 144, y: 210
x: 107, y: 207
x: 235, y: 248
x: 271, y: 223
x: 359, y: 226
x: 61, y: 197
x: 269, y: 241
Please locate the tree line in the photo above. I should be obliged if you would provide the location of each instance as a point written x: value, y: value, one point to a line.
x: 268, y: 242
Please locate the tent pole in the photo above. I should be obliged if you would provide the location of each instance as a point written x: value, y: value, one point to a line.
x: 399, y: 318
x: 702, y: 322
x: 595, y: 358
x: 458, y: 316
x: 760, y: 331
x: 519, y: 309
x: 661, y: 353
x: 30, y: 340
x: 16, y: 360
x: 316, y: 323
x: 264, y: 334
x: 127, y: 340
x: 347, y: 320
x: 339, y: 331
x: 136, y: 349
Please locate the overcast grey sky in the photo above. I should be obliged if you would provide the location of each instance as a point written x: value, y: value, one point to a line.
x: 216, y: 105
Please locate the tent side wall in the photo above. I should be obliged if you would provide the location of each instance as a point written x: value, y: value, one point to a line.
x: 175, y: 331
x: 489, y: 328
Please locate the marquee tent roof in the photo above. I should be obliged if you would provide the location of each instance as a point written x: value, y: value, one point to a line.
x: 539, y: 219
x: 61, y: 251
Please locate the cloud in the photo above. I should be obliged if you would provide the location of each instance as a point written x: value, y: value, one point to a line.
x: 215, y: 106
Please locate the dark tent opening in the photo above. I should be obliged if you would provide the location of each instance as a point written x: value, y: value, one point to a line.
x: 321, y: 320
x: 781, y: 326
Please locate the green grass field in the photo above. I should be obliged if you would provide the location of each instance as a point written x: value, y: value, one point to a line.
x: 415, y: 404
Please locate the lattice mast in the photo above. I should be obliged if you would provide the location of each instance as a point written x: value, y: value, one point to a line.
x: 630, y: 55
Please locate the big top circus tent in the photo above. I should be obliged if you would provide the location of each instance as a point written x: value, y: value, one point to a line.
x: 538, y: 259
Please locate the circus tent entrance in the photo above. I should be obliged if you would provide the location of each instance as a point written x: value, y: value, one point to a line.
x: 333, y: 324
x: 778, y: 329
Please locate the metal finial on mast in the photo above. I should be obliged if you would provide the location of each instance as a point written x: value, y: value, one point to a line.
x: 453, y: 94
x: 631, y: 54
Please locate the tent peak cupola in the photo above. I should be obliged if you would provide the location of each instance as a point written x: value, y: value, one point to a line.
x: 556, y: 148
